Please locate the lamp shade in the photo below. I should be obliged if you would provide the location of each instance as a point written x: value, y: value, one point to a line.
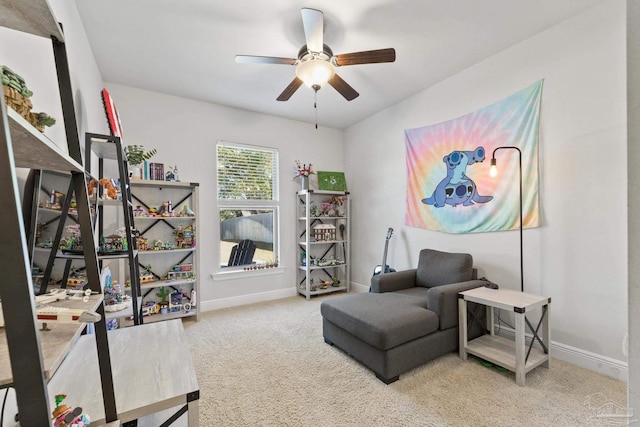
x: 315, y: 72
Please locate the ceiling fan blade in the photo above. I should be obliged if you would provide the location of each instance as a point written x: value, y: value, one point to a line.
x: 289, y: 90
x: 366, y: 57
x: 343, y: 88
x: 251, y: 59
x: 313, y: 22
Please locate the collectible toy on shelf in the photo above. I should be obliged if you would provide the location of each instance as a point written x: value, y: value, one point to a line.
x: 181, y: 272
x: 63, y: 415
x: 185, y: 237
x: 114, y: 297
x: 76, y: 278
x: 111, y: 188
x: 72, y: 244
x: 114, y: 244
x: 164, y: 304
x: 16, y: 96
x: 186, y: 211
x: 146, y: 275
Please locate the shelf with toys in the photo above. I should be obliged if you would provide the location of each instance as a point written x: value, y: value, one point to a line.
x: 323, y: 242
x: 165, y: 214
x: 116, y: 233
x: 32, y: 356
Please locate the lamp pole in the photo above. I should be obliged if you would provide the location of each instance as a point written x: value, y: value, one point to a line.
x: 493, y: 164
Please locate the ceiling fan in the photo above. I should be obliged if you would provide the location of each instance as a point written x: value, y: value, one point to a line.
x: 316, y: 62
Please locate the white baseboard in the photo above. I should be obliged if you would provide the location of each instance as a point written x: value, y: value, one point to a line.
x: 585, y: 359
x: 247, y: 299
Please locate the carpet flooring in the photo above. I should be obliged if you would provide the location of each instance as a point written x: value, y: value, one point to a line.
x: 266, y: 364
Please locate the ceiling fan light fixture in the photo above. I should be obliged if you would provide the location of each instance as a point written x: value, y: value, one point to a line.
x: 315, y: 72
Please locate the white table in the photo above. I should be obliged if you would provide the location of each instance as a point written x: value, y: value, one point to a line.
x: 152, y: 371
x: 514, y: 356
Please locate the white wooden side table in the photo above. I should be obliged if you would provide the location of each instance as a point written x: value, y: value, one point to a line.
x: 512, y: 355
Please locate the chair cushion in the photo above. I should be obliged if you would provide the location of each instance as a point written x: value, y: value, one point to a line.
x: 381, y: 320
x: 418, y: 295
x: 437, y: 268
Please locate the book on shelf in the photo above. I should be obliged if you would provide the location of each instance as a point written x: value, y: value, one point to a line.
x: 156, y: 171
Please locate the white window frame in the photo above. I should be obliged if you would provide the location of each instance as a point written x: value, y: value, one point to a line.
x: 239, y: 204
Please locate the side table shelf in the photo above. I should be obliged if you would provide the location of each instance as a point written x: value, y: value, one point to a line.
x: 512, y: 355
x: 163, y: 377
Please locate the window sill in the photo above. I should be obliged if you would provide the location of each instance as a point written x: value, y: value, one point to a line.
x: 243, y: 274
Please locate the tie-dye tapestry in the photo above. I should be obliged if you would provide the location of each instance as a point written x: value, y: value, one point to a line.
x: 449, y: 188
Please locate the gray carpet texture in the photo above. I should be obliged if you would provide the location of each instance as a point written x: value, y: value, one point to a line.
x: 266, y: 364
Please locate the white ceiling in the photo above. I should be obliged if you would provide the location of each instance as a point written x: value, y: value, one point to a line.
x: 186, y: 48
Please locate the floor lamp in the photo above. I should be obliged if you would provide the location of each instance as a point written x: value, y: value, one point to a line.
x: 493, y: 172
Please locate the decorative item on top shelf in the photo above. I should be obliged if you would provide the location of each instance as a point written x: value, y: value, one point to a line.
x: 136, y: 156
x: 303, y: 172
x: 332, y: 181
x: 156, y: 171
x: 172, y: 174
x: 113, y: 118
x: 16, y: 96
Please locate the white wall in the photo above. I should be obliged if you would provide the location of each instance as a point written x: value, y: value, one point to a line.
x: 633, y: 148
x: 578, y: 256
x: 185, y: 133
x: 32, y: 58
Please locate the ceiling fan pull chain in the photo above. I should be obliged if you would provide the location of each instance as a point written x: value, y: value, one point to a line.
x: 315, y: 105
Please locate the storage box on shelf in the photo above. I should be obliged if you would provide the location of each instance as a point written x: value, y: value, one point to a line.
x: 323, y: 242
x: 165, y: 214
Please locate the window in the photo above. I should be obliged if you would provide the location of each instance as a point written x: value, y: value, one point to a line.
x: 248, y: 205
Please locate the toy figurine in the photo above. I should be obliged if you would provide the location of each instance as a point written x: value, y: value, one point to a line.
x: 63, y: 415
x: 166, y: 209
x: 110, y: 188
x: 186, y: 211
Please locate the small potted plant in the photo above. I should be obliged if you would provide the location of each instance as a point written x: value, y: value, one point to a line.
x: 136, y: 155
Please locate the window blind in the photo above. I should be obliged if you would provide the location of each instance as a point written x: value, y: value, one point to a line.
x: 246, y: 173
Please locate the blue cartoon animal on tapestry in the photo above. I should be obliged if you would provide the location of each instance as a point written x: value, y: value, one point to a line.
x: 457, y: 188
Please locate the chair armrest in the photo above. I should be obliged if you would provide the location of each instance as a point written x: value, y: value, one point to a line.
x: 443, y: 300
x: 395, y: 281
